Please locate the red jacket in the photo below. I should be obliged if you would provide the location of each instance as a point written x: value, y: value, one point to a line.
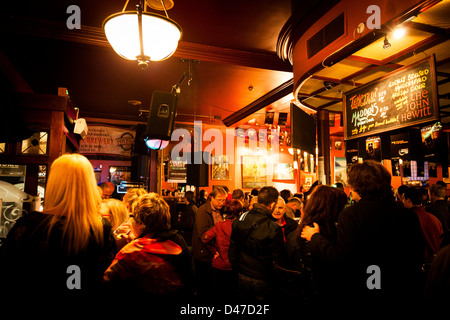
x: 221, y: 232
x: 144, y: 264
x: 432, y: 231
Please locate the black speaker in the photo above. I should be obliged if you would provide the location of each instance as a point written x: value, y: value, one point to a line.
x: 162, y: 115
x: 198, y: 174
x: 140, y: 168
x: 139, y: 143
x: 303, y: 130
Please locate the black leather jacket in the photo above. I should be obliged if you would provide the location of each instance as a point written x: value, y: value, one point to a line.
x: 254, y: 250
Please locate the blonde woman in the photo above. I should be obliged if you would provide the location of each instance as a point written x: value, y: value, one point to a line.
x: 123, y: 234
x: 113, y: 210
x: 131, y: 196
x: 65, y: 248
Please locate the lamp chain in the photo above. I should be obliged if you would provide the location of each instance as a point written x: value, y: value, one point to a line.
x: 164, y: 7
x: 126, y: 4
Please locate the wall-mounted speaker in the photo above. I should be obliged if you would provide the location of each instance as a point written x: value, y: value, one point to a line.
x: 198, y: 174
x: 162, y: 115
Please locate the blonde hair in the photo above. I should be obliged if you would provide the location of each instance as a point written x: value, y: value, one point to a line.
x: 153, y: 212
x: 131, y: 196
x: 114, y: 210
x: 72, y: 194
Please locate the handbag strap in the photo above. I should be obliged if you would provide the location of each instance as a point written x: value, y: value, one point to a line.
x: 254, y: 226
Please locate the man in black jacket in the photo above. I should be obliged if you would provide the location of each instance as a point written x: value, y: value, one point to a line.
x: 379, y: 244
x: 256, y: 243
x: 438, y: 206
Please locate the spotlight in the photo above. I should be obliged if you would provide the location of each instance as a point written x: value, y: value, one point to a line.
x: 399, y: 33
x: 329, y: 85
x: 386, y: 44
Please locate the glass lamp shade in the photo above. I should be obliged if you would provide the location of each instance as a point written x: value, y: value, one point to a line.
x: 156, y: 144
x: 160, y: 35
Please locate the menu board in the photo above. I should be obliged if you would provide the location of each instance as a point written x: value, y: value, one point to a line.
x: 177, y: 172
x: 403, y: 98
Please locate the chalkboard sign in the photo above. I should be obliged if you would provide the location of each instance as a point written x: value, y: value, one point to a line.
x: 403, y: 98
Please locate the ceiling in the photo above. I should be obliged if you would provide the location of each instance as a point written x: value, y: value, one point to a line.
x: 229, y: 48
x: 426, y: 34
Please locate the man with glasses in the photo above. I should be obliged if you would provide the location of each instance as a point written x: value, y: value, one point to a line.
x: 207, y: 215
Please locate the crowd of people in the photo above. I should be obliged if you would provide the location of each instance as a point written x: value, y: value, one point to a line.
x: 272, y: 246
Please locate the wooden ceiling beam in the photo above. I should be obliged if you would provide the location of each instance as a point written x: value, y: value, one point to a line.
x: 270, y: 97
x: 309, y: 95
x: 373, y: 61
x: 428, y: 28
x: 19, y: 83
x: 336, y: 80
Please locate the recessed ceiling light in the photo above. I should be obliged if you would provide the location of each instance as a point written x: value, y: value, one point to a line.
x: 134, y: 102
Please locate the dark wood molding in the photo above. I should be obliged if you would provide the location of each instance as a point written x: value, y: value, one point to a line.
x: 95, y: 36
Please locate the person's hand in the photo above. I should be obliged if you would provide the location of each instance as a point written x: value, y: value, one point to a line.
x: 308, y: 231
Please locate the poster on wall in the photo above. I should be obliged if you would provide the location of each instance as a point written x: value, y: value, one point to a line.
x: 283, y: 171
x: 373, y: 148
x: 405, y: 97
x: 400, y: 146
x: 340, y: 170
x: 351, y: 151
x: 220, y: 167
x: 434, y: 142
x: 254, y: 171
x: 108, y: 140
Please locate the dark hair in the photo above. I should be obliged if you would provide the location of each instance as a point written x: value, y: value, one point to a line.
x: 268, y: 195
x: 401, y: 190
x: 237, y: 194
x: 298, y: 195
x: 323, y: 207
x: 189, y: 196
x: 370, y: 178
x: 415, y: 195
x: 202, y: 193
x: 254, y: 192
x: 233, y: 208
x: 441, y: 183
x: 285, y: 194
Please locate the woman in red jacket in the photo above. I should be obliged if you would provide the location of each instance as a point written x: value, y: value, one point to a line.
x: 218, y: 240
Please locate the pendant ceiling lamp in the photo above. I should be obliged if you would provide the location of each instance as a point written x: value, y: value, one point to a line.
x: 141, y: 35
x: 156, y: 144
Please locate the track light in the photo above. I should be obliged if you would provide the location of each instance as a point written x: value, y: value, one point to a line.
x: 386, y: 44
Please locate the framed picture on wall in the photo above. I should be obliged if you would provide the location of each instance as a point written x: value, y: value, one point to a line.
x: 340, y: 170
x: 220, y: 167
x: 254, y: 171
x: 117, y: 174
x: 283, y: 171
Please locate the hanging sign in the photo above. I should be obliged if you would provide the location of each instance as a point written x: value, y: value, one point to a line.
x: 108, y: 140
x: 400, y: 99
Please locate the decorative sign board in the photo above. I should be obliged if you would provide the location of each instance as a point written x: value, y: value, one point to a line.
x: 405, y: 97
